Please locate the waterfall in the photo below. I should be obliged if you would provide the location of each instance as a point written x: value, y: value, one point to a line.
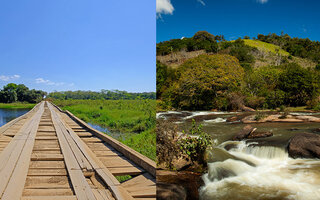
x: 237, y: 170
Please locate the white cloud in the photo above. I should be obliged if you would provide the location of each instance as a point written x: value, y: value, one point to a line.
x: 9, y: 78
x: 48, y: 82
x: 202, y: 2
x: 164, y: 7
x: 262, y: 1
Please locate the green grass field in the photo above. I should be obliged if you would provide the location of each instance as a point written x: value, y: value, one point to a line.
x: 265, y: 46
x: 134, y: 118
x: 17, y: 105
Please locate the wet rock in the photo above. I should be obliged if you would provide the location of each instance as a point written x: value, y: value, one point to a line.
x: 309, y: 118
x: 189, y: 181
x: 232, y: 119
x: 257, y: 134
x: 243, y: 134
x: 317, y: 130
x: 304, y: 145
x: 247, y: 109
x: 248, y: 132
x: 167, y: 191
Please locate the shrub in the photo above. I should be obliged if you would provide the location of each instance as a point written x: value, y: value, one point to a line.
x: 195, y: 144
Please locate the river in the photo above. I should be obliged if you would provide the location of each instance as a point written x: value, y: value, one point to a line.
x: 257, y: 168
x: 7, y: 115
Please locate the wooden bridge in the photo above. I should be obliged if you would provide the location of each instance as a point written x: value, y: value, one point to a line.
x: 49, y: 154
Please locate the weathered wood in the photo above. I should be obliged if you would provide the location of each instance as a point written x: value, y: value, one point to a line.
x: 136, y: 157
x: 100, y: 168
x: 47, y: 159
x: 15, y: 171
x: 49, y: 198
x: 80, y: 185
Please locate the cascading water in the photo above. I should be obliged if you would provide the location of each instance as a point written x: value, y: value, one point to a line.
x: 247, y: 171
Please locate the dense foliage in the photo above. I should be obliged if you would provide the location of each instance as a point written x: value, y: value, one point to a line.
x: 202, y: 82
x: 214, y: 80
x: 13, y: 93
x: 133, y: 120
x: 202, y: 40
x: 104, y: 94
x: 304, y: 48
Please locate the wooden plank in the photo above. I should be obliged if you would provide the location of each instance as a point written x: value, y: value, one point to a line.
x: 48, y: 157
x: 47, y: 182
x: 118, y: 161
x: 105, y: 193
x: 79, y: 183
x: 147, y: 192
x: 136, y: 157
x: 47, y: 192
x: 47, y: 164
x: 49, y: 198
x: 142, y: 180
x: 17, y: 166
x: 47, y: 172
x: 100, y: 169
x: 121, y: 171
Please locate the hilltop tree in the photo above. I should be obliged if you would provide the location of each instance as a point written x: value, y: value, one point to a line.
x: 203, y: 81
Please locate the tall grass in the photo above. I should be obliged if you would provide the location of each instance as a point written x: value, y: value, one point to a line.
x: 134, y: 118
x: 17, y: 105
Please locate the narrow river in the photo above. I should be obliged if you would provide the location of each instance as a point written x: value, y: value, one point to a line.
x: 253, y: 169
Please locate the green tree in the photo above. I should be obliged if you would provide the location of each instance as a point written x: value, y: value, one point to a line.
x: 204, y: 80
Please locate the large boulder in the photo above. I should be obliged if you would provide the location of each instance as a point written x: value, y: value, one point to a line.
x: 304, y: 145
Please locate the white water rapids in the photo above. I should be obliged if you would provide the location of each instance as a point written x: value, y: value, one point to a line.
x: 259, y: 173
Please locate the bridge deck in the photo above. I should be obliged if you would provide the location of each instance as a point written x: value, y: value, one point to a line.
x: 48, y: 154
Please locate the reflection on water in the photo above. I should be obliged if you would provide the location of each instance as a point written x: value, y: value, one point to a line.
x: 7, y: 115
x: 113, y: 134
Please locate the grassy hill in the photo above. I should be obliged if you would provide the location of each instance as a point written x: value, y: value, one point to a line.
x: 263, y: 46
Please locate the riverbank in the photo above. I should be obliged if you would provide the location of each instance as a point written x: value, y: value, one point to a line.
x: 133, y: 120
x: 17, y: 105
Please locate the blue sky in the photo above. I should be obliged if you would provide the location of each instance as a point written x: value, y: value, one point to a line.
x: 237, y: 18
x: 78, y: 45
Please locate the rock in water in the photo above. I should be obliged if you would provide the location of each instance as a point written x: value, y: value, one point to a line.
x: 304, y: 145
x: 248, y: 132
x: 232, y: 119
x: 243, y: 134
x: 256, y: 134
x: 247, y: 109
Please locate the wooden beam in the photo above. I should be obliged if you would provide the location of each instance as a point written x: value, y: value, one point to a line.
x: 81, y: 187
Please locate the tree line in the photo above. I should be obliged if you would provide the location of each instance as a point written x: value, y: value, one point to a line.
x: 20, y: 93
x: 103, y: 94
x: 13, y: 93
